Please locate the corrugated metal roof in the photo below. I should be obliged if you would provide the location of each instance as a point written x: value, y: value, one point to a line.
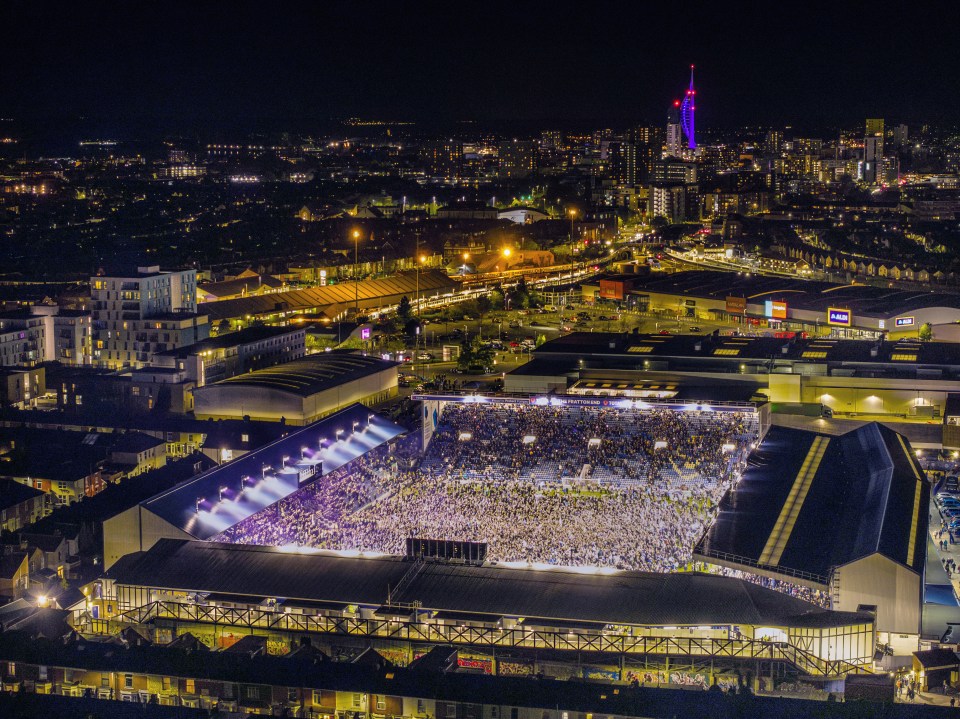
x: 307, y: 376
x: 370, y: 293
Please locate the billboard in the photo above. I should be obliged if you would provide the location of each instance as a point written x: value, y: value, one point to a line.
x: 775, y: 309
x: 836, y: 316
x: 905, y: 321
x: 736, y: 305
x: 364, y: 333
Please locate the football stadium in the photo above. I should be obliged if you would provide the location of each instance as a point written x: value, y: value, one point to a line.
x: 651, y: 540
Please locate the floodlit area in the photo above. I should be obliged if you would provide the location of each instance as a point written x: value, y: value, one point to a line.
x: 608, y: 487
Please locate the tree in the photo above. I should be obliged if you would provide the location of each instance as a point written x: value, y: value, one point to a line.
x: 483, y: 307
x: 466, y: 354
x: 926, y: 332
x: 404, y: 310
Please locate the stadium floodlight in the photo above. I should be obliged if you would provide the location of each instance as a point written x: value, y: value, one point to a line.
x: 283, y: 461
x: 303, y: 453
x: 338, y: 433
x: 200, y: 501
x: 321, y: 441
x: 222, y: 490
x: 243, y: 482
x: 356, y: 424
x: 266, y: 468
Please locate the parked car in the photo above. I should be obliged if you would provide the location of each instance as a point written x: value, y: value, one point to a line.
x: 424, y: 356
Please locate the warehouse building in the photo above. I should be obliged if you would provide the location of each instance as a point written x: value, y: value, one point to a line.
x: 904, y: 378
x: 299, y: 392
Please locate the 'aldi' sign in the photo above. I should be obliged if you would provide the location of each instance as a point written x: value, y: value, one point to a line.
x: 839, y: 317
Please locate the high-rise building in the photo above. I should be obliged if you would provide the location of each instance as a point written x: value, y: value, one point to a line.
x: 874, y: 127
x: 674, y: 132
x: 444, y: 157
x: 668, y: 201
x: 873, y: 160
x: 901, y: 136
x: 648, y: 141
x: 551, y: 139
x: 517, y: 159
x: 674, y: 170
x: 773, y: 145
x: 687, y: 112
x: 622, y: 160
x: 138, y: 314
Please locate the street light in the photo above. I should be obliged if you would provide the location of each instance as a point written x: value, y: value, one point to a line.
x: 356, y: 264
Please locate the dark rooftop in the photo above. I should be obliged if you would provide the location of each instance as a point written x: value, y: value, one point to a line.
x: 865, y: 496
x: 13, y: 493
x: 631, y: 350
x: 616, y: 597
x: 232, y: 339
x: 304, y: 670
x: 869, y: 300
x: 311, y: 374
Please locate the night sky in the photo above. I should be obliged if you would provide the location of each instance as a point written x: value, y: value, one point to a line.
x: 807, y: 64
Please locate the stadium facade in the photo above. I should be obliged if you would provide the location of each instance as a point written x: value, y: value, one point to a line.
x: 509, y: 619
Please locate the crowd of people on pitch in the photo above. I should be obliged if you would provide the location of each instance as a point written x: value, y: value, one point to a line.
x: 478, y: 481
x: 508, y: 442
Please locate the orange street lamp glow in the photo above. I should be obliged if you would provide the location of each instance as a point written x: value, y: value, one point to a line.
x: 506, y: 252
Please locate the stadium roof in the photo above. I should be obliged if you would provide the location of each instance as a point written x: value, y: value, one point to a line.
x: 862, y: 300
x: 312, y: 374
x: 370, y: 293
x: 642, y: 598
x: 809, y: 502
x: 214, y: 501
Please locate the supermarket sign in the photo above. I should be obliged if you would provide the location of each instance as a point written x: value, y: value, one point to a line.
x: 839, y: 317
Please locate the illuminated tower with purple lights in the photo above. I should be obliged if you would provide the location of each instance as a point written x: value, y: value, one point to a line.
x: 687, y: 109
